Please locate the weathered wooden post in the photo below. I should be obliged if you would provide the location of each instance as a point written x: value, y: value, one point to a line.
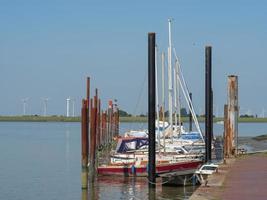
x: 116, y: 119
x: 102, y: 129
x: 98, y: 123
x: 84, y: 138
x: 208, y: 103
x: 233, y: 112
x: 106, y: 127
x: 84, y: 195
x: 226, y: 138
x: 109, y: 121
x: 112, y: 123
x: 92, y: 137
x: 151, y: 110
x: 96, y: 111
x: 88, y: 92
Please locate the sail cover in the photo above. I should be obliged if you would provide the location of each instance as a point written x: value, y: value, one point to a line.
x: 131, y: 144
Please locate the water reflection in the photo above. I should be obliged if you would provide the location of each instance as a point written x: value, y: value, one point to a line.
x: 132, y: 188
x: 84, y: 195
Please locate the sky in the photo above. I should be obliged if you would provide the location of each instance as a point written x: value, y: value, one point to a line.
x: 48, y: 48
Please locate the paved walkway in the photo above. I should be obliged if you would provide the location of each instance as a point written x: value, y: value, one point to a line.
x: 247, y: 179
x: 242, y: 178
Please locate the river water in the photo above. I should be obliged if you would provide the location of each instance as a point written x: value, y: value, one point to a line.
x: 42, y: 161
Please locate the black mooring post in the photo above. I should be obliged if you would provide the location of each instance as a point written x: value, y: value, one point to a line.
x: 190, y: 113
x: 151, y: 110
x: 211, y: 118
x: 208, y: 103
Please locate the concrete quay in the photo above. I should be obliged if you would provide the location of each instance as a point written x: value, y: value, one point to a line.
x: 243, y: 178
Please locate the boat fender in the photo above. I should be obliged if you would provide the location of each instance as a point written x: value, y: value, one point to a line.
x: 133, y: 169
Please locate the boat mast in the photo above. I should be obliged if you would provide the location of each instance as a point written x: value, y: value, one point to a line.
x: 170, y: 78
x: 157, y: 95
x: 175, y: 98
x: 178, y: 95
x: 163, y: 97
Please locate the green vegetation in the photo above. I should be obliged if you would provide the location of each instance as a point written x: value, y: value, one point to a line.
x: 37, y: 118
x: 253, y: 119
x: 127, y: 118
x: 123, y: 113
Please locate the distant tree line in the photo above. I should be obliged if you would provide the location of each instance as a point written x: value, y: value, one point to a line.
x: 247, y: 116
x: 123, y: 113
x: 183, y: 113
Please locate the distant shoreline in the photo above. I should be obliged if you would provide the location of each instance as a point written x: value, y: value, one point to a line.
x: 122, y: 119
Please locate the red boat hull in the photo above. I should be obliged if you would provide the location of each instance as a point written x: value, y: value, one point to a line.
x: 130, y: 170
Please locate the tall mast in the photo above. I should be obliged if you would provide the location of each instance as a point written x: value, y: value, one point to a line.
x: 175, y: 96
x: 163, y: 96
x: 170, y: 77
x: 178, y: 96
x: 157, y: 95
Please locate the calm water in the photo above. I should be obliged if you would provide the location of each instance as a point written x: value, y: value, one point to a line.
x: 42, y: 161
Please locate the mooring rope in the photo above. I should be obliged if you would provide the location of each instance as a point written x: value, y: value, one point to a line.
x: 154, y: 183
x: 170, y: 179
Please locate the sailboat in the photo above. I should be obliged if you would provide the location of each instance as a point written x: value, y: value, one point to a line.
x: 131, y: 155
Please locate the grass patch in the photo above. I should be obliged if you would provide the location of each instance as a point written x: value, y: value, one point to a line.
x: 134, y: 119
x: 36, y: 118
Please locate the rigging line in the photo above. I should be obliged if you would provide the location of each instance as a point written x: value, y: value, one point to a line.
x: 190, y: 101
x: 184, y: 82
x: 187, y: 97
x: 190, y: 105
x: 187, y: 93
x: 140, y: 95
x: 194, y: 117
x: 185, y: 85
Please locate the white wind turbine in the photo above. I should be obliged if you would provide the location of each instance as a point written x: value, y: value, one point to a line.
x: 25, y: 101
x: 68, y: 106
x: 45, y: 101
x: 263, y: 113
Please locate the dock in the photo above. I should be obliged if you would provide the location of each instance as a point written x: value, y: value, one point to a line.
x: 243, y: 177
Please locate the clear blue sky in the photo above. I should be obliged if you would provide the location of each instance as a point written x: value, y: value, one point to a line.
x: 47, y: 48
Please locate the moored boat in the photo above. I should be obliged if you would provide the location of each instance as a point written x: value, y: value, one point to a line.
x: 162, y: 167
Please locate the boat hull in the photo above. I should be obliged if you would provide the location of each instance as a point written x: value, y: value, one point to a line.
x: 131, y: 170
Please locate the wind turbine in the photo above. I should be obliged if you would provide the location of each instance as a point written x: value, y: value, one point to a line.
x: 263, y: 113
x: 45, y: 100
x: 24, y: 101
x: 68, y: 106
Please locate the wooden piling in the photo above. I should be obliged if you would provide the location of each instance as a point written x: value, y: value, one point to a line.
x: 88, y: 92
x: 109, y: 121
x: 92, y: 136
x: 98, y: 123
x: 226, y: 138
x: 101, y: 130
x: 104, y: 128
x: 233, y: 112
x: 84, y: 142
x: 117, y: 122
